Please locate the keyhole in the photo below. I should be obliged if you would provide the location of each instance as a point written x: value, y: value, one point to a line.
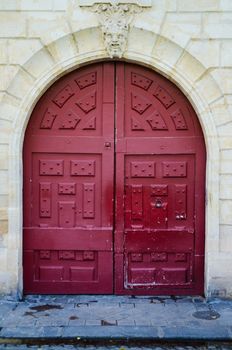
x: 158, y: 204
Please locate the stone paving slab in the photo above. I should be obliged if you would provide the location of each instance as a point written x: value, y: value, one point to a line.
x: 111, y: 317
x: 151, y: 347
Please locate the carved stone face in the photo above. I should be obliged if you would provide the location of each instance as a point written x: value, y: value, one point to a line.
x: 115, y: 36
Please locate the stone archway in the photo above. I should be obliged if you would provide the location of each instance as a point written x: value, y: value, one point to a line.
x: 30, y: 83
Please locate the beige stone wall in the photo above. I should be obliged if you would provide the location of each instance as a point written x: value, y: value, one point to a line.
x: 190, y: 42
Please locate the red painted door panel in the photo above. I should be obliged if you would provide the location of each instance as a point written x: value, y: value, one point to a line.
x: 107, y: 119
x: 68, y: 186
x: 160, y: 167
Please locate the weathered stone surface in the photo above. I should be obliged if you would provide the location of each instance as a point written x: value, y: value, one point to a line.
x: 165, y: 319
x: 190, y: 42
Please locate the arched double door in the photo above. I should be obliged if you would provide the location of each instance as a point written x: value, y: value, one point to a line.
x: 114, y: 186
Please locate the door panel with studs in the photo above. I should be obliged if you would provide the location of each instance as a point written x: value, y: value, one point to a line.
x: 160, y: 158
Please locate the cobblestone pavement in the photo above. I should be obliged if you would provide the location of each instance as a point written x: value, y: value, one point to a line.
x: 115, y: 317
x: 158, y: 347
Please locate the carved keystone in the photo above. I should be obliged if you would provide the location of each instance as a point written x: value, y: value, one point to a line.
x: 115, y: 17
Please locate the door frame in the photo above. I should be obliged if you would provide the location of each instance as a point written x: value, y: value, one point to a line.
x: 201, y: 107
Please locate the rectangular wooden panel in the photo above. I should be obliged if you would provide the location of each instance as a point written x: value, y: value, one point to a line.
x: 142, y: 169
x: 82, y: 168
x: 136, y: 202
x: 174, y: 169
x: 181, y: 202
x: 45, y: 199
x: 88, y: 200
x: 67, y: 214
x: 67, y: 188
x: 51, y: 167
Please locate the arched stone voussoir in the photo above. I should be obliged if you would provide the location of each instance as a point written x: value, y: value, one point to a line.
x: 141, y: 40
x: 89, y: 41
x: 20, y: 84
x: 63, y: 48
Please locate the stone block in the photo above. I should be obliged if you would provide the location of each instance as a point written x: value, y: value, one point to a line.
x: 225, y: 238
x: 225, y: 130
x: 197, y: 333
x: 36, y: 5
x: 12, y: 24
x: 180, y: 28
x: 205, y: 51
x: 12, y: 102
x: 3, y: 261
x: 50, y: 321
x: 4, y: 282
x: 60, y: 5
x: 119, y: 332
x: 198, y: 5
x: 46, y: 63
x: 169, y: 5
x: 190, y: 67
x: 4, y: 160
x: 225, y: 143
x: 7, y: 73
x: 208, y: 88
x: 42, y: 23
x: 52, y: 332
x: 127, y: 321
x: 151, y: 21
x: 21, y: 50
x: 4, y: 198
x: 82, y: 19
x: 167, y: 51
x: 13, y: 260
x: 226, y: 186
x: 225, y: 212
x: 63, y: 49
x: 89, y: 40
x: 3, y: 227
x: 225, y: 5
x: 4, y: 181
x: 57, y: 31
x: 218, y: 262
x: 224, y: 78
x: 3, y: 51
x: 21, y: 84
x: 217, y: 25
x: 21, y: 332
x: 226, y: 161
x: 93, y: 322
x: 8, y: 111
x: 11, y: 5
x: 3, y: 214
x: 4, y: 136
x: 143, y: 321
x: 221, y: 110
x: 226, y: 53
x: 141, y: 42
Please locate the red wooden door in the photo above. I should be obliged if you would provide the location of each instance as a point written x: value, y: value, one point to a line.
x: 100, y: 120
x: 68, y: 186
x: 160, y: 167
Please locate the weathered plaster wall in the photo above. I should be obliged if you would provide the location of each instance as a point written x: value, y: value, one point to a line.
x: 190, y: 42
